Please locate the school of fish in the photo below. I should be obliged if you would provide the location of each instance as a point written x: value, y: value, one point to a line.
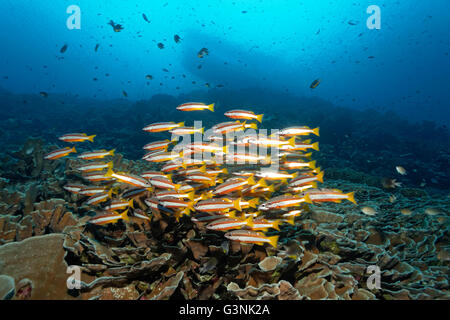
x: 227, y: 181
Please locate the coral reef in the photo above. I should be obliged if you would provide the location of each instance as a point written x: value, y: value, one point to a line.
x: 325, y: 255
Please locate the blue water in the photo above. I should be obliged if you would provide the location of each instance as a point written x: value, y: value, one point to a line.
x: 279, y: 45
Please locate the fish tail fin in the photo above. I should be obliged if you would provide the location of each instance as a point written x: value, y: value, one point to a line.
x: 124, y: 215
x: 251, y: 181
x: 290, y: 220
x: 253, y: 202
x: 259, y: 117
x: 312, y: 164
x: 320, y: 176
x: 111, y: 152
x: 351, y: 197
x: 307, y: 155
x: 169, y: 176
x: 295, y: 174
x: 109, y: 173
x: 276, y: 225
x: 314, y: 184
x: 211, y: 107
x: 225, y: 149
x: 307, y: 198
x: 202, y: 168
x: 292, y: 142
x: 131, y: 204
x: 232, y: 214
x: 191, y: 195
x: 316, y: 131
x: 249, y: 222
x: 315, y: 146
x: 109, y: 165
x: 181, y: 124
x: 225, y: 171
x: 177, y: 186
x: 202, y: 130
x: 284, y: 181
x: 190, y: 206
x: 262, y: 183
x: 271, y: 188
x: 237, y: 204
x: 273, y: 241
x: 253, y: 126
x: 73, y: 149
x: 91, y: 138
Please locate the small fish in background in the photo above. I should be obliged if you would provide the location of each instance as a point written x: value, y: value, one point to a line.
x: 160, y: 45
x: 96, y: 47
x: 63, y: 48
x: 315, y: 83
x: 145, y: 18
x: 406, y: 211
x: 369, y: 211
x: 392, y: 198
x: 149, y: 77
x: 352, y: 22
x: 125, y: 94
x: 389, y: 183
x: 432, y: 211
x: 176, y: 38
x: 203, y: 52
x: 116, y: 27
x: 43, y: 94
x: 401, y: 170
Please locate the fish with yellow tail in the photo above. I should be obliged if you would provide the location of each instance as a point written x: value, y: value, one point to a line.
x: 99, y: 198
x: 264, y: 224
x: 119, y: 205
x: 218, y: 205
x: 195, y: 106
x: 232, y: 185
x: 77, y: 137
x: 330, y: 195
x: 56, y: 154
x: 95, y: 166
x: 162, y: 126
x: 244, y: 115
x: 109, y: 218
x: 225, y: 224
x: 284, y: 201
x: 247, y: 236
x: 186, y: 130
x: 135, y: 181
x: 299, y: 131
x: 98, y: 154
